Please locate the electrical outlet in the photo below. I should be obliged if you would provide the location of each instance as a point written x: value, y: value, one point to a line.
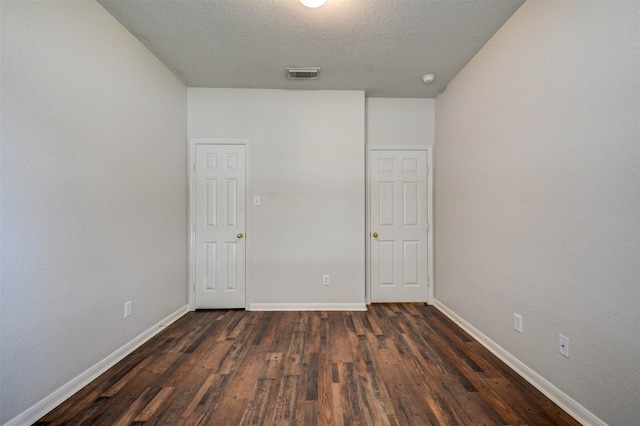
x: 517, y: 322
x: 563, y: 346
x: 325, y: 279
x: 127, y: 309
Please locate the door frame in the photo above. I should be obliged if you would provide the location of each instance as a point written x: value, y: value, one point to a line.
x: 191, y: 230
x: 429, y: 150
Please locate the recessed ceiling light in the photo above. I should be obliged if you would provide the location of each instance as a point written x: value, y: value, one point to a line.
x: 428, y: 78
x: 313, y: 3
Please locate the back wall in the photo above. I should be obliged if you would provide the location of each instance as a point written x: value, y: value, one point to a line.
x: 307, y: 165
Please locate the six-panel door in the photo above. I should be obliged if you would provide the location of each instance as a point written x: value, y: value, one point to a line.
x: 220, y: 182
x: 399, y: 226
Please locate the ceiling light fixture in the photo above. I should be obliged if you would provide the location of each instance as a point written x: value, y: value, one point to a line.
x: 428, y: 78
x: 313, y: 3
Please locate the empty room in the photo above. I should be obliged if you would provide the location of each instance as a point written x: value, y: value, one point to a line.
x: 337, y: 212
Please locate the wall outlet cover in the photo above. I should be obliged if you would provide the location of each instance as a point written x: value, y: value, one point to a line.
x: 517, y: 322
x: 563, y: 345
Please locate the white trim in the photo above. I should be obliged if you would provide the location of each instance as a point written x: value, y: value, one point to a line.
x: 367, y: 230
x: 563, y: 400
x: 190, y: 229
x: 307, y: 307
x: 399, y: 147
x: 429, y: 150
x: 430, y: 249
x: 37, y: 411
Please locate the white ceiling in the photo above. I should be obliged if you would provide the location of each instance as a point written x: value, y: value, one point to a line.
x: 380, y: 46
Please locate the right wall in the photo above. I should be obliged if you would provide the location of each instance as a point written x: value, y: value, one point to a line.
x: 537, y: 200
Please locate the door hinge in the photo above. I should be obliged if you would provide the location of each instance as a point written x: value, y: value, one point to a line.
x: 194, y: 165
x: 427, y: 170
x: 194, y: 287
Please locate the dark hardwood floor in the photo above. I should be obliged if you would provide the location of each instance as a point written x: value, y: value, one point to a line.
x: 397, y: 364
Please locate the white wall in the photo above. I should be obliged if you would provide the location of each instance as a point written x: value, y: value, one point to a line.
x: 400, y: 122
x: 538, y: 197
x: 393, y: 121
x: 307, y: 164
x: 93, y: 194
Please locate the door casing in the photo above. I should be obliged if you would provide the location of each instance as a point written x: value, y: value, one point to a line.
x: 429, y: 150
x: 191, y: 284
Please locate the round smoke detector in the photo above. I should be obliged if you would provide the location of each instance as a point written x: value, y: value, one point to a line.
x: 428, y: 78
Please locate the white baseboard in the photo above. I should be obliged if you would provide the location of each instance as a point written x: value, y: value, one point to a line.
x: 307, y: 307
x: 563, y: 400
x: 43, y: 407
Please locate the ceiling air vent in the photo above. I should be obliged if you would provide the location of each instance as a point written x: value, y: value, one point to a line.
x: 303, y: 73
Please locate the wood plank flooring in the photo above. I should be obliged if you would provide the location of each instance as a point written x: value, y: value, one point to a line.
x: 397, y: 364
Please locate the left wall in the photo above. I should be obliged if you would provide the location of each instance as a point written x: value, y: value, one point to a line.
x: 93, y: 198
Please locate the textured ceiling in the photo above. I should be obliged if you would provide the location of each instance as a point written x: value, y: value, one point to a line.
x: 380, y: 46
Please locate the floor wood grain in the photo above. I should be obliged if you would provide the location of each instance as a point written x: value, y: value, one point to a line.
x: 396, y: 364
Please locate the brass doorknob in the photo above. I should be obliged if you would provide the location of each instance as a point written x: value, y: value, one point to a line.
x: 240, y: 235
x: 375, y: 235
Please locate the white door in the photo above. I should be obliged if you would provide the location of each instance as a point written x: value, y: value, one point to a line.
x: 220, y: 181
x: 399, y: 226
